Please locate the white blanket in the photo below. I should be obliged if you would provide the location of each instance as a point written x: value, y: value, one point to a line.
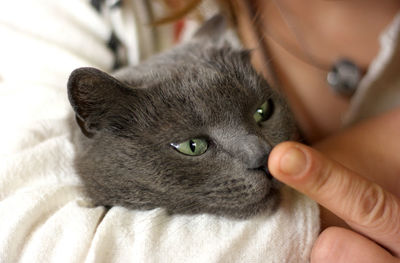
x: 44, y: 215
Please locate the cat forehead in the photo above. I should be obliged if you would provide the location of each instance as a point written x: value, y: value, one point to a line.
x: 203, y: 74
x: 203, y: 87
x: 206, y: 89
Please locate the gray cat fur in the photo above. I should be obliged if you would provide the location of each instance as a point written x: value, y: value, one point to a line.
x: 204, y: 88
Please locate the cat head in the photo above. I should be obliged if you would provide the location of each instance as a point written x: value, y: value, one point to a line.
x: 189, y: 130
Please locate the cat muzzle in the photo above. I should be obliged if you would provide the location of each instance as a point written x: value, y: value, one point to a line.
x: 264, y: 168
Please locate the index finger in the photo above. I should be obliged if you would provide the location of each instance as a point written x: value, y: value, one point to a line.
x: 365, y: 206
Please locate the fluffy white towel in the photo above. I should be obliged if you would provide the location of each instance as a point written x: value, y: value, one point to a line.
x: 44, y: 216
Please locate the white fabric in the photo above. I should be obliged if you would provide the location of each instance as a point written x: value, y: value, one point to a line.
x: 44, y: 216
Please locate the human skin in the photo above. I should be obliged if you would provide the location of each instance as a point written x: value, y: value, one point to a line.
x: 366, y: 195
x: 364, y: 156
x: 328, y: 30
x: 366, y: 149
x: 372, y: 212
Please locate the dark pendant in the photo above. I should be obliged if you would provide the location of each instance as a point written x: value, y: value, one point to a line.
x: 344, y: 77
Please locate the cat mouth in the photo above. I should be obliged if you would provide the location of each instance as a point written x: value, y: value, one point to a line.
x: 266, y: 171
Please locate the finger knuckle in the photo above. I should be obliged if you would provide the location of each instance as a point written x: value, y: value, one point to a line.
x: 372, y: 203
x: 376, y: 208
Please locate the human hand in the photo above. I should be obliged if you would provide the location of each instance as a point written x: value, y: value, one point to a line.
x: 365, y: 206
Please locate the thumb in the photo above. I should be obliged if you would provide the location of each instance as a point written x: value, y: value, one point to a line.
x: 365, y: 206
x: 339, y: 245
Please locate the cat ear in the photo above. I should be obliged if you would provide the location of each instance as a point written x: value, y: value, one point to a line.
x: 92, y: 93
x: 216, y: 30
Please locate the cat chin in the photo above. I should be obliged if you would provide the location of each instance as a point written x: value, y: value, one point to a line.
x: 265, y: 202
x: 266, y: 206
x: 263, y: 199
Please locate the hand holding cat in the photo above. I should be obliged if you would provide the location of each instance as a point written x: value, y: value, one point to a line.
x: 363, y: 205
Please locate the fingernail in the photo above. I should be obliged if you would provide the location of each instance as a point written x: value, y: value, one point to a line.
x: 293, y: 161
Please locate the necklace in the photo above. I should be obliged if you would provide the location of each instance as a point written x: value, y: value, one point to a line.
x: 342, y: 76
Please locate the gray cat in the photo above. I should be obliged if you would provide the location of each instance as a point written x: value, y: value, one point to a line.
x: 189, y: 130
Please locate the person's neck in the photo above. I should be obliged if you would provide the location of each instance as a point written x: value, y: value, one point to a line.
x: 327, y: 30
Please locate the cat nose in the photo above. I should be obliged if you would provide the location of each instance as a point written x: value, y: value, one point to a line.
x: 255, y: 152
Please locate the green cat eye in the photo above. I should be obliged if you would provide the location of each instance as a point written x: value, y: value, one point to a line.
x: 191, y: 147
x: 264, y: 112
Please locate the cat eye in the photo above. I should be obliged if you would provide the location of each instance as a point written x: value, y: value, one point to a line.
x: 264, y: 112
x: 191, y: 147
